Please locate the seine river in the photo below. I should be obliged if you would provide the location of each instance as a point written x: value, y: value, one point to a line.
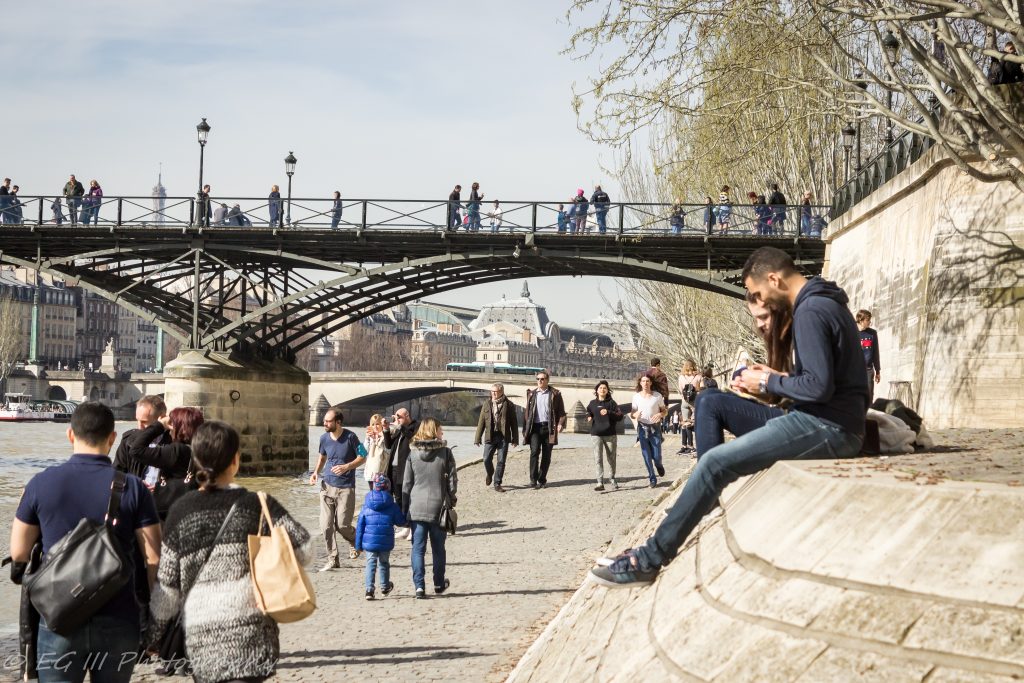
x: 30, y: 447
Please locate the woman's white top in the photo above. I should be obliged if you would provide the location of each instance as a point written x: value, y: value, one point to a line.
x: 648, y: 407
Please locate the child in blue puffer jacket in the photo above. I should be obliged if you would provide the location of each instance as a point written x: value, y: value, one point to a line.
x: 375, y: 533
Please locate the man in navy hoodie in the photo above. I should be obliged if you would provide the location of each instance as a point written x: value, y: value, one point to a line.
x: 829, y: 391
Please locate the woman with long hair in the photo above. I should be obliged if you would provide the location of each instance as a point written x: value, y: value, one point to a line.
x: 648, y: 410
x: 430, y: 480
x: 716, y: 411
x: 169, y: 469
x: 204, y: 567
x: 376, y: 455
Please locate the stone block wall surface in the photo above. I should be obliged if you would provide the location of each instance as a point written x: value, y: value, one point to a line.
x: 266, y: 401
x: 938, y: 258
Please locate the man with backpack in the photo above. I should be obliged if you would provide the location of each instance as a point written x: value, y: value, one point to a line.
x: 52, y: 505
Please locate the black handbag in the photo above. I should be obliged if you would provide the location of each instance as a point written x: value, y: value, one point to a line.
x: 449, y: 519
x: 83, y: 571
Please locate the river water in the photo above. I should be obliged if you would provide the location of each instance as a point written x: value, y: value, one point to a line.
x: 27, y: 448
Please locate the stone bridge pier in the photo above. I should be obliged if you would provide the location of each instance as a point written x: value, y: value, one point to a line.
x: 267, y: 401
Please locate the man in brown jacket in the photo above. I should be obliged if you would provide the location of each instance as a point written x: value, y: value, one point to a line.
x: 544, y: 418
x: 497, y: 428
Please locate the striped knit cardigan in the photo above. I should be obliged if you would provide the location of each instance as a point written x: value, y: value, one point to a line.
x: 226, y: 635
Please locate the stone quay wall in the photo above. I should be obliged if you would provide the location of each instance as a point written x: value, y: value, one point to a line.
x: 266, y: 401
x: 938, y: 258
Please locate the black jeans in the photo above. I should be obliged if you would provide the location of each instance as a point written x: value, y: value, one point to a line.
x: 540, y: 453
x: 500, y: 446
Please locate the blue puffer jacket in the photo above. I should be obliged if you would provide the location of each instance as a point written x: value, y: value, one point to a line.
x: 375, y: 530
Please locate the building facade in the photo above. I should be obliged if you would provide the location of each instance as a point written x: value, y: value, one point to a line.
x: 56, y: 322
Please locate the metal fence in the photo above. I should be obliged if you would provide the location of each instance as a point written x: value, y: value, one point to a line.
x: 515, y: 217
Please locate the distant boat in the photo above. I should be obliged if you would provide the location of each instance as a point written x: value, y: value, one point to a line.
x: 22, y: 408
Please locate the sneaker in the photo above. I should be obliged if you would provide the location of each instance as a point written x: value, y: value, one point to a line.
x: 654, y: 484
x: 442, y: 589
x: 488, y: 480
x: 387, y: 588
x: 623, y: 573
x: 599, y: 487
x: 615, y: 485
x: 661, y: 469
x: 331, y: 564
x: 369, y: 594
x: 421, y: 594
x: 499, y: 489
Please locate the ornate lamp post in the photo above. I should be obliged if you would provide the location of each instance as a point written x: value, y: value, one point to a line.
x: 289, y: 168
x: 891, y: 48
x: 203, y: 131
x: 849, y: 134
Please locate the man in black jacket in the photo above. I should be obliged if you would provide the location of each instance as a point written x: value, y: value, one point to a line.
x: 777, y: 201
x: 544, y: 418
x: 454, y: 204
x: 600, y: 200
x: 497, y: 428
x: 1001, y: 71
x: 148, y: 411
x: 829, y: 392
x: 398, y: 441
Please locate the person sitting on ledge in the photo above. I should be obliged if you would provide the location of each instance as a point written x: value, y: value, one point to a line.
x: 829, y: 391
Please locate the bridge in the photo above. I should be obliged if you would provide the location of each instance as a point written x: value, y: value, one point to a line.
x: 242, y: 300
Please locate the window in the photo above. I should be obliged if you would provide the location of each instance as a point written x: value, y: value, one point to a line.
x: 485, y: 356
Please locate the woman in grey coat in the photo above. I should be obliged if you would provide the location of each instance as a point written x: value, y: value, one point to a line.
x: 430, y: 478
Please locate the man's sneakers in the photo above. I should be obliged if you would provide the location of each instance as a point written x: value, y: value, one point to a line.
x: 661, y: 469
x: 369, y: 594
x: 623, y: 572
x: 599, y: 487
x: 615, y: 484
x: 387, y: 588
x: 331, y: 564
x: 442, y: 589
x: 499, y: 489
x: 421, y: 594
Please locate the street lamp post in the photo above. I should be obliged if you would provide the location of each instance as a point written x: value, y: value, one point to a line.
x: 863, y: 85
x: 891, y: 48
x: 289, y: 168
x: 849, y: 133
x: 202, y: 131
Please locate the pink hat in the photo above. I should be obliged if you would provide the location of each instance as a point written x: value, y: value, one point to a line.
x: 579, y: 191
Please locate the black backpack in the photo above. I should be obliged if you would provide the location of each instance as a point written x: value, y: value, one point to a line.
x: 689, y: 393
x: 83, y: 571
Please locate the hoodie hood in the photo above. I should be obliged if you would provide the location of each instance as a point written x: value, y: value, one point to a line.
x: 378, y: 500
x: 818, y: 286
x: 428, y: 450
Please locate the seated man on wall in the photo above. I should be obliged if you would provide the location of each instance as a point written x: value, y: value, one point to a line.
x: 829, y: 391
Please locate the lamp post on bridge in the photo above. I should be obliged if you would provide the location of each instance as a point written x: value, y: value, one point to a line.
x: 863, y: 85
x: 202, y: 131
x: 289, y: 168
x: 891, y: 48
x: 849, y: 133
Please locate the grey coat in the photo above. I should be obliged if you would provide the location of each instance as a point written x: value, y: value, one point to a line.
x: 424, y: 484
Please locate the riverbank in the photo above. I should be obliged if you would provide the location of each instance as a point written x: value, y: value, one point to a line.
x: 517, y: 559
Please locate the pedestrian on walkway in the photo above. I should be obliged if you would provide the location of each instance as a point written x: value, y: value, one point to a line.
x: 203, y: 207
x: 58, y: 215
x: 580, y: 216
x: 16, y: 210
x: 604, y: 415
x: 398, y: 440
x: 543, y: 419
x: 659, y: 380
x: 689, y: 384
x: 336, y: 208
x: 562, y: 219
x: 710, y: 215
x: 497, y: 428
x: 377, y: 455
x: 274, y: 205
x: 431, y: 479
x: 165, y: 449
x: 777, y: 202
x: 220, y: 214
x: 805, y: 214
x: 829, y: 391
x: 204, y: 567
x: 53, y: 503
x: 73, y: 192
x: 341, y: 453
x: 375, y: 533
x: 95, y: 201
x: 454, y: 205
x: 724, y: 213
x: 473, y: 208
x: 648, y: 411
x: 495, y: 215
x: 869, y: 346
x: 5, y: 200
x: 601, y: 202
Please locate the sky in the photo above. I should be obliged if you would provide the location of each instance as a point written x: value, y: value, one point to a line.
x: 395, y: 99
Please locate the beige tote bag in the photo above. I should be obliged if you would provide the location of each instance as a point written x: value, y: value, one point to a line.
x: 283, y: 591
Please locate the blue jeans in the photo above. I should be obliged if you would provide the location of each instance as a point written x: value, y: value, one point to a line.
x: 650, y: 448
x: 805, y: 225
x: 500, y: 446
x: 602, y: 224
x: 420, y: 532
x: 474, y: 216
x: 378, y: 559
x: 716, y: 411
x: 794, y: 436
x: 454, y: 217
x: 105, y: 648
x: 335, y: 218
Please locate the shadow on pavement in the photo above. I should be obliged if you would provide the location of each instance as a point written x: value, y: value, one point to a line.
x: 530, y: 591
x: 376, y: 655
x: 516, y: 530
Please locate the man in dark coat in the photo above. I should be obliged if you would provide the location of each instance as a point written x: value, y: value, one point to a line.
x: 73, y: 192
x: 497, y: 428
x: 544, y: 418
x: 659, y: 380
x: 398, y: 441
x: 1001, y: 72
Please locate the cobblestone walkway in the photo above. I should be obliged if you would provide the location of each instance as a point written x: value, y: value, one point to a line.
x: 517, y: 559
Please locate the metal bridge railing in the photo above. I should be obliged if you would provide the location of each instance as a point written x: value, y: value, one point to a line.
x: 516, y: 217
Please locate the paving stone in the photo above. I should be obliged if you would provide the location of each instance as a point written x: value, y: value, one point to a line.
x: 836, y: 664
x: 858, y: 614
x: 977, y: 632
